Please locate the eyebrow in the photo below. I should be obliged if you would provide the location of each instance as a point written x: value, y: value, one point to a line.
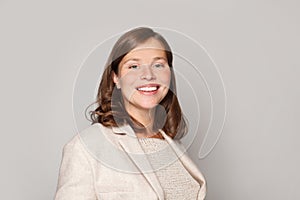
x: 137, y: 59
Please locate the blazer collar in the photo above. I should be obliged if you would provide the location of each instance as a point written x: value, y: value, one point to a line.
x: 134, y: 150
x: 125, y: 129
x: 188, y: 164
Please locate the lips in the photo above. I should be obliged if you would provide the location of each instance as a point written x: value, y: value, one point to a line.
x: 148, y: 89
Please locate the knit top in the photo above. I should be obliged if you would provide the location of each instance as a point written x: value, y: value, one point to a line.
x: 175, y: 180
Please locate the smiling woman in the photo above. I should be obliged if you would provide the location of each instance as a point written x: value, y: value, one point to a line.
x: 144, y: 80
x: 140, y: 57
x: 132, y: 149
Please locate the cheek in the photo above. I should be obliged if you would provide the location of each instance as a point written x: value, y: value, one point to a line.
x: 127, y: 80
x: 165, y: 77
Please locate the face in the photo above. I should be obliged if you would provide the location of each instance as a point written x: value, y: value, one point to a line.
x: 144, y: 76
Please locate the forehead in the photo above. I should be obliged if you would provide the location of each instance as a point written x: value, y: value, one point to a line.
x: 151, y: 43
x: 148, y: 50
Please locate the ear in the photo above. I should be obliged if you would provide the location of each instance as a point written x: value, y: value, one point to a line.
x: 116, y: 79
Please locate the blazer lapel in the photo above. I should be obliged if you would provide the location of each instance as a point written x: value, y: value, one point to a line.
x: 188, y: 164
x: 132, y: 147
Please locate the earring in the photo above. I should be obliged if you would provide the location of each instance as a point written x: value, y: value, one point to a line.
x: 118, y: 86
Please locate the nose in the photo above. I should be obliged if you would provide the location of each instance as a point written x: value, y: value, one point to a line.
x: 147, y: 73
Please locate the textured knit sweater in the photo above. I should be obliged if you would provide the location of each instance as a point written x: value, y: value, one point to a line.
x: 175, y: 180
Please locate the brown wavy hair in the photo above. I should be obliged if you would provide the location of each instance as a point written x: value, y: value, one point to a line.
x: 111, y: 111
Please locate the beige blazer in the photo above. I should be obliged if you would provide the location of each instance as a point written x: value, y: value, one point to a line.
x: 109, y: 163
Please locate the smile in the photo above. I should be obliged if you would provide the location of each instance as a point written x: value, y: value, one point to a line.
x: 148, y: 89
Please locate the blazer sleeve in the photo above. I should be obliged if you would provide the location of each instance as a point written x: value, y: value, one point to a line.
x: 75, y: 181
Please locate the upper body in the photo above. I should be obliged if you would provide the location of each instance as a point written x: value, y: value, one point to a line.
x: 109, y: 163
x: 136, y: 99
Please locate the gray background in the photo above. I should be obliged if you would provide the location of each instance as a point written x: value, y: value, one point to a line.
x: 254, y: 43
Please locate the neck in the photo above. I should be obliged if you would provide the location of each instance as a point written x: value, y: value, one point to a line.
x: 144, y: 116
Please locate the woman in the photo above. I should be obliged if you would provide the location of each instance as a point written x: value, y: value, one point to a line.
x: 132, y: 149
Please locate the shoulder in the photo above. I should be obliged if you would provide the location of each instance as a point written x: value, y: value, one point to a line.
x: 97, y: 136
x: 94, y: 129
x: 94, y: 137
x: 87, y: 133
x: 96, y: 142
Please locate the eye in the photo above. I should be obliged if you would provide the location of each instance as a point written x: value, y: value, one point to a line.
x: 158, y: 65
x: 133, y: 66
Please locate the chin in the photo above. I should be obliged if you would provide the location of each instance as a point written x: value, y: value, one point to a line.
x: 148, y: 106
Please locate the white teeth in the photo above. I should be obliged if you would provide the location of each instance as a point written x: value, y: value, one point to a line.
x: 147, y: 89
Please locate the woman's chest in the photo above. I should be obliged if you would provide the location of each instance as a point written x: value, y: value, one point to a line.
x: 113, y: 184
